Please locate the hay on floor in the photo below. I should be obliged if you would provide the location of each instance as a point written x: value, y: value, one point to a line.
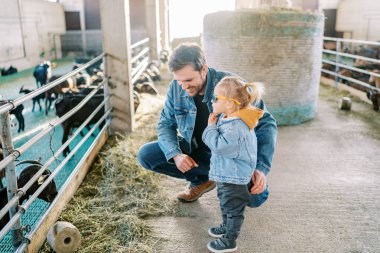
x: 109, y: 207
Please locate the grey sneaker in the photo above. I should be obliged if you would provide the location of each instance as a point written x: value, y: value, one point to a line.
x: 222, y: 245
x: 217, y: 232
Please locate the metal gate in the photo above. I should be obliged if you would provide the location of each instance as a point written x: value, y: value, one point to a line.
x: 22, y: 235
x: 32, y: 235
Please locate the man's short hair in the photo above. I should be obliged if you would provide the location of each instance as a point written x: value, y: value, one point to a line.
x: 187, y: 54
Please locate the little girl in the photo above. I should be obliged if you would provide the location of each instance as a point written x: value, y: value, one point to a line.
x: 233, y: 144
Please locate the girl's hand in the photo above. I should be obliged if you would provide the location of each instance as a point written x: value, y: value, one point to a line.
x: 212, y: 118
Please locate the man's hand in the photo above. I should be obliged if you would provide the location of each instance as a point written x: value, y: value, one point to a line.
x: 212, y: 118
x: 184, y: 162
x: 259, y: 182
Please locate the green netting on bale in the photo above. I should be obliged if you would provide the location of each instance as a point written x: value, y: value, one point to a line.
x: 280, y: 47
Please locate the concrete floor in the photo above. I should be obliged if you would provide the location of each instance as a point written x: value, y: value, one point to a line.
x: 324, y: 191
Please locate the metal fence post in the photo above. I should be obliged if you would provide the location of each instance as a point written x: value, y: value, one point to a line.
x: 337, y: 60
x: 10, y: 172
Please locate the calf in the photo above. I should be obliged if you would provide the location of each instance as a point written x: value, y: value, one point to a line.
x: 17, y: 112
x: 11, y: 70
x: 48, y: 194
x: 42, y: 73
x: 146, y: 87
x: 164, y: 56
x: 374, y: 79
x: 82, y: 77
x: 144, y: 77
x: 136, y: 99
x: 97, y: 77
x: 153, y: 71
x: 1, y: 157
x: 36, y: 99
x: 2, y: 172
x: 87, y: 90
x: 68, y: 102
x: 329, y: 67
x: 374, y: 96
x: 68, y: 85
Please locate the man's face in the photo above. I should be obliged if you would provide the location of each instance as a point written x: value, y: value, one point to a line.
x: 191, y: 81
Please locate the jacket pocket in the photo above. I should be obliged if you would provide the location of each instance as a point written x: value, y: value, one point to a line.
x: 247, y: 150
x: 180, y: 117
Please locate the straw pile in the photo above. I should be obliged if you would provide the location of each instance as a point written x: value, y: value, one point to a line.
x: 109, y: 207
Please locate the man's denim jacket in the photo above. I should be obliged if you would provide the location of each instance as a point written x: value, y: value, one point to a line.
x: 233, y: 148
x: 179, y: 113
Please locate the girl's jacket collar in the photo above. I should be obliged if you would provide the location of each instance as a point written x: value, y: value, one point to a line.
x: 250, y: 116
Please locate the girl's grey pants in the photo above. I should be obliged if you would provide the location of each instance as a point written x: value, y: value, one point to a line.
x: 233, y: 200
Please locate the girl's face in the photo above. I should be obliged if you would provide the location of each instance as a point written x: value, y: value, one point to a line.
x: 219, y: 105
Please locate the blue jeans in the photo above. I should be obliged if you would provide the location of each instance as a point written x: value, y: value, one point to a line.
x: 151, y: 157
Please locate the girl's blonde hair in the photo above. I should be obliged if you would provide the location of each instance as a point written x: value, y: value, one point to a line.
x: 245, y: 93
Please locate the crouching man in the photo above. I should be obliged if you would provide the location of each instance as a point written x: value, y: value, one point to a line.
x: 186, y: 111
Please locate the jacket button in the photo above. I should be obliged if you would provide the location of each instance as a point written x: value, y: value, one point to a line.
x: 191, y: 128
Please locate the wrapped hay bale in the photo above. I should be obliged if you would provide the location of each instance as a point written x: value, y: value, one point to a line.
x: 280, y: 47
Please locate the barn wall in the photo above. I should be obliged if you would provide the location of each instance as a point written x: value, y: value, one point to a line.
x: 88, y: 38
x: 12, y: 45
x: 359, y: 19
x: 247, y: 4
x: 138, y: 20
x: 30, y: 33
x: 328, y: 4
x: 72, y: 5
x: 75, y: 40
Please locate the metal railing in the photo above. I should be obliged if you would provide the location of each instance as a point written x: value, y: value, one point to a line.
x: 11, y: 154
x: 340, y: 64
x: 13, y: 104
x: 140, y: 58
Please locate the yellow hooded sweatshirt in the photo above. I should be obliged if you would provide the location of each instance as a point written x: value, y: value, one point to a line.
x: 250, y: 116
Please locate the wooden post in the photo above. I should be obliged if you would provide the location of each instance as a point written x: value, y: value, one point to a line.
x: 115, y: 24
x: 153, y: 27
x: 164, y: 24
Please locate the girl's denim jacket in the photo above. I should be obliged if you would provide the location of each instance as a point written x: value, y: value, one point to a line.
x: 177, y: 120
x: 233, y: 146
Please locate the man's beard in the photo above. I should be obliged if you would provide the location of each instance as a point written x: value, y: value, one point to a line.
x: 203, y: 88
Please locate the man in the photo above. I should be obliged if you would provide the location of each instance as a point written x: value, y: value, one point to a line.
x: 180, y: 151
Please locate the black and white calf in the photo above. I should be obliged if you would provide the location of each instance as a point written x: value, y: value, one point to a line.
x: 35, y: 99
x: 17, y: 112
x: 42, y: 73
x: 48, y: 194
x: 374, y: 96
x: 68, y: 102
